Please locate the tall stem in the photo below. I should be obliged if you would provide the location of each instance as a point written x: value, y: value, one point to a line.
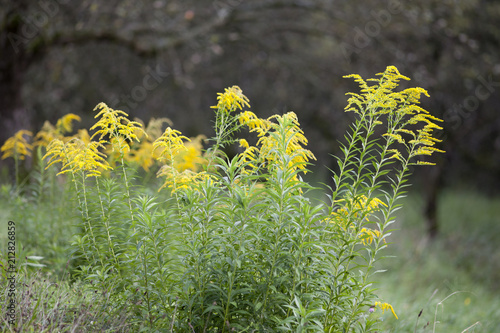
x: 106, y: 224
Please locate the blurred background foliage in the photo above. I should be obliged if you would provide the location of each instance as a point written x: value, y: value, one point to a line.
x: 158, y: 58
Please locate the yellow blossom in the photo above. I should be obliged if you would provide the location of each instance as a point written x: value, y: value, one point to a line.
x: 396, y: 137
x: 115, y: 124
x: 182, y: 160
x: 231, y: 100
x: 46, y: 134
x: 360, y: 205
x: 385, y: 306
x: 401, y: 107
x: 244, y: 143
x: 378, y: 98
x: 176, y: 180
x: 368, y: 235
x: 83, y: 135
x: 76, y: 155
x: 169, y: 144
x: 142, y: 155
x: 254, y: 123
x: 64, y: 124
x: 49, y: 132
x: 248, y: 158
x: 155, y: 125
x: 191, y: 158
x: 17, y: 146
x: 292, y: 143
x: 117, y: 148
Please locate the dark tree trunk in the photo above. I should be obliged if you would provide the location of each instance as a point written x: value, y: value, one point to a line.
x: 432, y: 188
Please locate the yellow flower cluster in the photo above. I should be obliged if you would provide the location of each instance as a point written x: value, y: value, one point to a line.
x: 168, y: 145
x: 385, y: 306
x: 292, y: 142
x: 17, y: 146
x: 192, y: 157
x: 360, y: 206
x: 115, y: 124
x: 254, y: 123
x: 154, y: 128
x: 142, y: 155
x: 231, y: 100
x: 65, y: 125
x: 403, y: 111
x: 176, y: 180
x: 284, y: 135
x: 50, y: 132
x: 248, y: 158
x: 139, y: 152
x: 379, y: 97
x: 368, y: 235
x: 182, y: 160
x: 76, y: 155
x: 46, y: 135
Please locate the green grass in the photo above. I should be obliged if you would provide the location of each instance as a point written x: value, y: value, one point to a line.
x: 452, y: 280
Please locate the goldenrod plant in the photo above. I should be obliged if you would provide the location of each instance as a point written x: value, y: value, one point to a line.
x: 236, y: 244
x: 18, y: 148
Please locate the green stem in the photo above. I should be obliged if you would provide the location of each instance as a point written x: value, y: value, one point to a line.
x: 73, y: 179
x: 106, y: 225
x: 87, y: 218
x: 16, y: 169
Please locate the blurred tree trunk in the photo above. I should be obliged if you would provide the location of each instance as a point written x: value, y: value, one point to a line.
x: 433, y: 187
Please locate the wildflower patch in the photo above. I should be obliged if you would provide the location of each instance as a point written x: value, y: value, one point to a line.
x: 234, y: 243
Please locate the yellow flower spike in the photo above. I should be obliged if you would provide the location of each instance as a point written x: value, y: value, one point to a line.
x: 89, y: 159
x: 155, y: 125
x: 396, y: 154
x: 385, y: 306
x: 406, y: 131
x: 143, y: 155
x: 396, y: 137
x: 176, y: 180
x: 362, y: 207
x: 55, y: 150
x: 192, y: 157
x: 17, y: 146
x: 83, y: 135
x: 168, y: 145
x: 231, y: 100
x: 64, y: 124
x: 253, y: 122
x: 379, y: 96
x: 76, y: 155
x: 425, y: 163
x: 138, y: 131
x: 248, y: 157
x: 244, y: 144
x: 46, y: 134
x: 294, y: 141
x: 115, y: 124
x: 402, y: 112
x: 368, y: 235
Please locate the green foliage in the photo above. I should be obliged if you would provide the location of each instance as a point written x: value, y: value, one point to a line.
x: 235, y: 244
